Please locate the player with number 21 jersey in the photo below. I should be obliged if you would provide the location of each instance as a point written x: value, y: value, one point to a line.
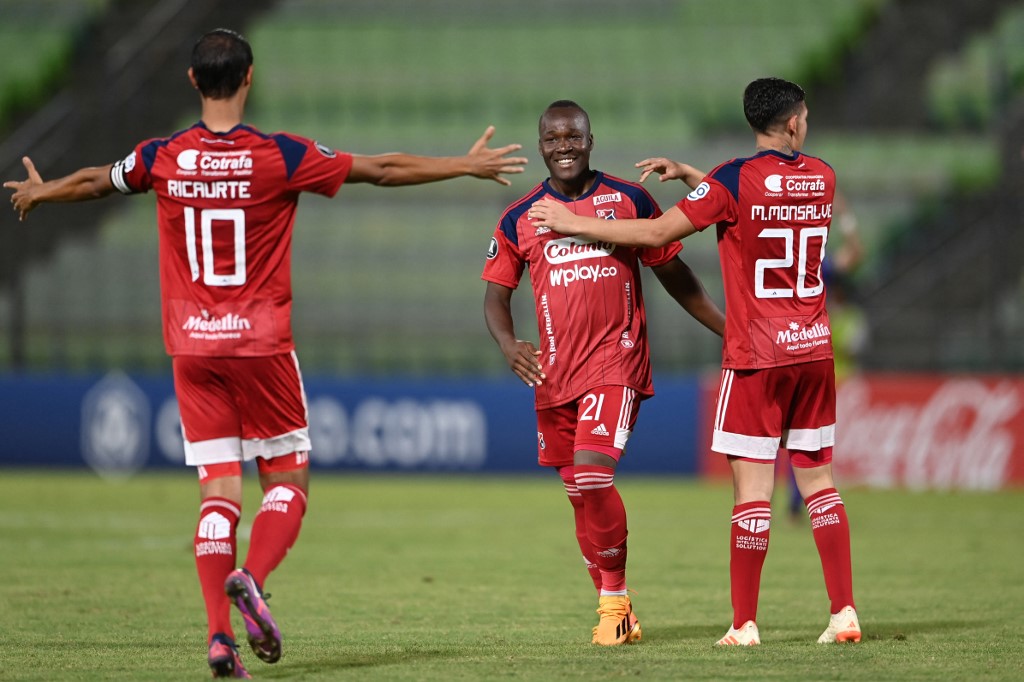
x: 589, y: 303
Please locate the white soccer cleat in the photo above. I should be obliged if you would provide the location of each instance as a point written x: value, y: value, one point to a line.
x: 746, y: 635
x: 842, y: 627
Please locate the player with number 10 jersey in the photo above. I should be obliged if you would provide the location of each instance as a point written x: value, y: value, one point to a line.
x: 225, y: 211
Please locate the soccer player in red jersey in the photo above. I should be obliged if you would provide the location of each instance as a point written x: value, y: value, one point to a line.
x: 773, y: 211
x: 592, y: 367
x: 226, y: 201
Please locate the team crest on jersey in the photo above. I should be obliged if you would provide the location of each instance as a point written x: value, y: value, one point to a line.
x: 492, y: 249
x: 326, y: 151
x: 605, y: 213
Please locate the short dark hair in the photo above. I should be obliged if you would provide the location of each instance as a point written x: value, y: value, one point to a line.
x: 768, y: 102
x: 220, y: 60
x: 563, y: 104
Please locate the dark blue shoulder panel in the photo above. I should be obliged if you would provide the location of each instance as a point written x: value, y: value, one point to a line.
x: 514, y: 212
x: 644, y: 202
x: 292, y: 152
x: 729, y: 175
x: 150, y: 149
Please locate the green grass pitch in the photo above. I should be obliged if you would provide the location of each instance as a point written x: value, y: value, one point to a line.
x: 478, y: 578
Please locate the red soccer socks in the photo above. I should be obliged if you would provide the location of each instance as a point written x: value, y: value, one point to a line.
x: 751, y: 524
x: 606, y: 524
x: 274, y: 530
x: 579, y: 517
x: 832, y: 536
x: 215, y: 545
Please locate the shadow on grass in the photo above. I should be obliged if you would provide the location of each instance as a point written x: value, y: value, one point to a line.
x: 354, y: 661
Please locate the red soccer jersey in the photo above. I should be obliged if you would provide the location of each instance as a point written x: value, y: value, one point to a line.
x: 225, y: 211
x: 773, y: 213
x: 590, y: 309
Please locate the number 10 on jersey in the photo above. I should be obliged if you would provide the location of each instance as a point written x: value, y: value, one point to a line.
x: 207, y: 216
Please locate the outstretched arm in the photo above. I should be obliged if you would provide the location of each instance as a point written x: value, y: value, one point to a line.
x: 82, y: 185
x: 521, y: 355
x: 684, y: 286
x: 671, y: 226
x: 670, y: 170
x: 392, y: 170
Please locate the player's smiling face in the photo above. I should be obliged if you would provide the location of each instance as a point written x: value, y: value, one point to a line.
x: 565, y: 145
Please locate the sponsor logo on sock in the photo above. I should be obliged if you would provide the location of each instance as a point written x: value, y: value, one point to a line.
x: 277, y: 499
x: 214, y: 526
x: 600, y: 430
x: 610, y: 553
x: 755, y: 525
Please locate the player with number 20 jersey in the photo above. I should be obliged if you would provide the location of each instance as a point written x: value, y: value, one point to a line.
x: 771, y: 246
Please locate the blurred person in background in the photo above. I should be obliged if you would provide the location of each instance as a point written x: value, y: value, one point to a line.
x: 592, y: 368
x: 226, y: 201
x: 772, y: 213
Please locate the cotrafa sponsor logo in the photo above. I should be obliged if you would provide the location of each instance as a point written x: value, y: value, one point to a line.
x: 569, y: 249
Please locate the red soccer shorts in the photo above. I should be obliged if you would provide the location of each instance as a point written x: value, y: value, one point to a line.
x: 760, y: 410
x: 239, y: 408
x: 601, y: 420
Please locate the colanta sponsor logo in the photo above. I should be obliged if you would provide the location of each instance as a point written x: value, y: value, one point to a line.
x: 569, y: 249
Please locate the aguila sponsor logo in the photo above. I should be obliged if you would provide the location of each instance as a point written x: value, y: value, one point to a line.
x: 568, y: 249
x: 605, y: 198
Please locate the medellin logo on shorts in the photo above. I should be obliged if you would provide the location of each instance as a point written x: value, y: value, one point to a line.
x: 326, y: 151
x: 540, y: 441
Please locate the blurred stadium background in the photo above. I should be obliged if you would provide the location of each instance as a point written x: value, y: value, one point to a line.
x: 920, y: 111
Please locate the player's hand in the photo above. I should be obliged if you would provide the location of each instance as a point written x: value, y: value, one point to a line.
x: 490, y: 164
x: 22, y: 199
x: 666, y: 168
x: 522, y: 360
x: 554, y: 215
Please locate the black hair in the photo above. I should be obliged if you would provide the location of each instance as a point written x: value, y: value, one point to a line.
x: 768, y: 102
x: 564, y: 104
x: 220, y: 60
